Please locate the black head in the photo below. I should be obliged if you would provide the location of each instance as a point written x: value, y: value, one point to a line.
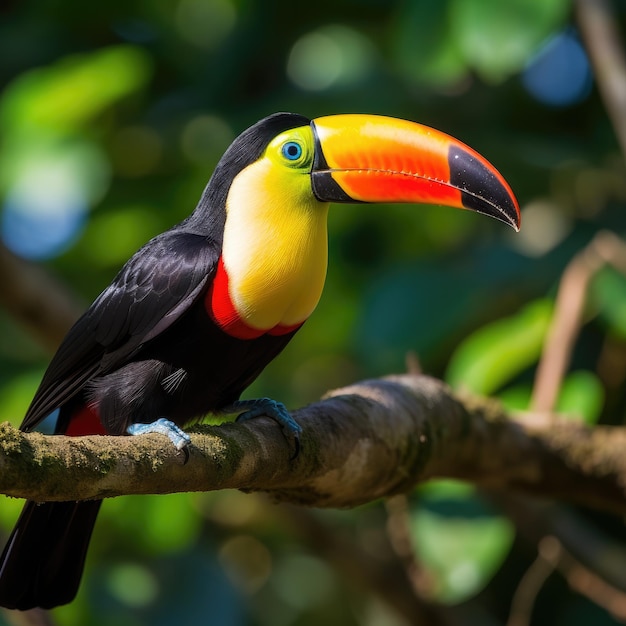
x: 210, y: 215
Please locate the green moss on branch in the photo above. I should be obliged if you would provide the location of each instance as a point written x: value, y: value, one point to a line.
x: 359, y: 443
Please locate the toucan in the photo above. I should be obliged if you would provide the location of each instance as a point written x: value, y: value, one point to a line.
x: 200, y: 310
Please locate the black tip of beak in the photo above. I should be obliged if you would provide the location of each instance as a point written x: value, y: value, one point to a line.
x: 481, y: 190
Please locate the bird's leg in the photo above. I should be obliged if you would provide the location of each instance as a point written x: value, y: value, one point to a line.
x: 274, y: 410
x: 163, y: 426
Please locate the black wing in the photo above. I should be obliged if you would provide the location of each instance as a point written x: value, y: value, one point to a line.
x: 151, y: 291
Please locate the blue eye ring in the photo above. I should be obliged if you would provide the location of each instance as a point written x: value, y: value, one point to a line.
x: 291, y: 150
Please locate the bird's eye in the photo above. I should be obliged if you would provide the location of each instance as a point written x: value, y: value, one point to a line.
x: 292, y: 151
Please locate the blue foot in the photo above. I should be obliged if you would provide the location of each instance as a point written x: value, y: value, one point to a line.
x: 274, y: 410
x: 163, y: 426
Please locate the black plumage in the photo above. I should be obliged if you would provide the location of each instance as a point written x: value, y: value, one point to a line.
x: 146, y: 348
x: 194, y: 316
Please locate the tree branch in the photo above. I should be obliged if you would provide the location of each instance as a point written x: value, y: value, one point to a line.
x: 598, y: 26
x: 360, y: 443
x: 605, y: 248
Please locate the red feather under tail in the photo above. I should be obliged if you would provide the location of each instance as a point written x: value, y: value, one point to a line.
x: 85, y: 421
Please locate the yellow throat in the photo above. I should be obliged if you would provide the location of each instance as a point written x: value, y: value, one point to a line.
x: 275, y: 249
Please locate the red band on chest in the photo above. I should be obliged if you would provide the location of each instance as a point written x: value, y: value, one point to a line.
x: 222, y: 311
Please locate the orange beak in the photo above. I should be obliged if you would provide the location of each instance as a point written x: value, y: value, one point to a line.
x: 369, y: 158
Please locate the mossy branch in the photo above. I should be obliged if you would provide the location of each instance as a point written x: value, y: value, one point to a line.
x: 360, y: 443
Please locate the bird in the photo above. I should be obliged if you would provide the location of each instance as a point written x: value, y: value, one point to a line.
x: 197, y: 313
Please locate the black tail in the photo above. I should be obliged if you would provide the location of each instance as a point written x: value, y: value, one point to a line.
x: 44, y: 558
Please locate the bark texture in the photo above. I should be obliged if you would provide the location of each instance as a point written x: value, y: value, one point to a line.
x: 360, y: 443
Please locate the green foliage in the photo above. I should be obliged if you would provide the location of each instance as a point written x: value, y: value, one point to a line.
x: 459, y: 540
x: 441, y: 42
x: 581, y: 397
x: 609, y: 295
x: 70, y: 93
x: 498, y: 38
x: 496, y: 353
x: 15, y: 397
x: 128, y: 106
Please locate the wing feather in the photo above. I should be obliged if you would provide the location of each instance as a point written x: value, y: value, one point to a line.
x: 155, y: 287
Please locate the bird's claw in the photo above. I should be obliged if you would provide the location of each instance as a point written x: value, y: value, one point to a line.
x: 276, y: 411
x: 179, y: 438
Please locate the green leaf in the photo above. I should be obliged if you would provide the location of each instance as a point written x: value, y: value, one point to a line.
x: 516, y: 398
x: 423, y: 46
x: 581, y: 397
x: 496, y: 353
x: 16, y: 394
x: 112, y: 237
x: 608, y: 292
x: 10, y: 509
x: 72, y: 91
x: 157, y: 524
x: 446, y: 488
x: 497, y: 38
x: 460, y: 542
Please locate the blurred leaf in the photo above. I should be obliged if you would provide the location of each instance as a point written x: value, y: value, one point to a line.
x: 133, y: 584
x: 17, y: 346
x: 436, y: 42
x: 581, y: 397
x: 10, y: 509
x: 423, y: 46
x: 112, y: 237
x: 16, y: 394
x: 49, y: 171
x: 399, y: 278
x: 442, y: 489
x: 496, y: 353
x: 497, y: 38
x: 459, y: 540
x: 608, y: 292
x: 156, y: 524
x: 516, y: 398
x: 72, y: 91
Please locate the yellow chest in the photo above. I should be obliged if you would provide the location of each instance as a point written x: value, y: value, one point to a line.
x: 275, y: 252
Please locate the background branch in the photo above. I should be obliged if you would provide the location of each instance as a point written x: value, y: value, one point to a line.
x: 360, y: 443
x: 603, y: 42
x: 44, y: 307
x: 605, y: 248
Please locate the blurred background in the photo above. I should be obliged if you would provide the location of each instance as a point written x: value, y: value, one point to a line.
x: 112, y: 118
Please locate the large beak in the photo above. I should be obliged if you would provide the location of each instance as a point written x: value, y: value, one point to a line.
x: 369, y: 158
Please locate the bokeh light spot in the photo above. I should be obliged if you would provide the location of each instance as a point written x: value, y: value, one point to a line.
x: 333, y: 55
x: 560, y: 74
x: 133, y: 584
x: 247, y: 562
x: 303, y: 581
x: 47, y: 201
x: 205, y: 138
x: 545, y: 226
x: 205, y: 24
